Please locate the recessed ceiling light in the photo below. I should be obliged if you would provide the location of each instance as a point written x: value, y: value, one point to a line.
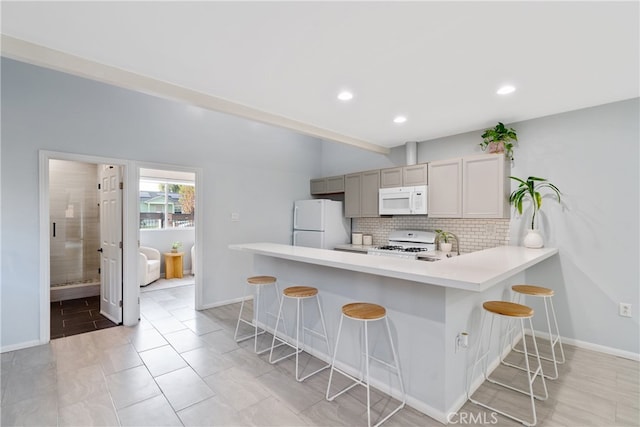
x: 506, y: 89
x: 399, y: 119
x: 345, y: 95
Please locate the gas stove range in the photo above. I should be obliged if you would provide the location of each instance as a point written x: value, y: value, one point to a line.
x: 406, y: 244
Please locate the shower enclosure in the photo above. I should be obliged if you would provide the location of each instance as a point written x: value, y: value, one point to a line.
x: 74, y: 230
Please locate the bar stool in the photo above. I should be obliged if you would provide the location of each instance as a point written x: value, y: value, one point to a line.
x: 547, y: 296
x: 515, y: 311
x: 366, y: 312
x: 299, y: 294
x: 258, y: 282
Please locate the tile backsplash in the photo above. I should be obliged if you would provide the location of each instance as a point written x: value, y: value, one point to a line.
x: 474, y: 234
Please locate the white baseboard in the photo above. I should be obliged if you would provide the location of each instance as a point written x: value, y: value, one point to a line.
x: 593, y: 347
x: 226, y: 302
x: 20, y: 346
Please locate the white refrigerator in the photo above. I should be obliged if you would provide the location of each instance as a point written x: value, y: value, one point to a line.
x: 320, y: 223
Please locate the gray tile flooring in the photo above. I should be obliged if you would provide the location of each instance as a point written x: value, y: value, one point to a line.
x: 182, y: 367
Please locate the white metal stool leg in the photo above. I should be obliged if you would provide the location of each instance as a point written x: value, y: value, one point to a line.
x: 554, y: 338
x: 299, y: 293
x: 256, y: 313
x: 531, y: 375
x: 365, y: 377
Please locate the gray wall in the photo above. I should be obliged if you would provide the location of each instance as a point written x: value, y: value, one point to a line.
x: 338, y: 159
x: 249, y: 168
x: 592, y: 155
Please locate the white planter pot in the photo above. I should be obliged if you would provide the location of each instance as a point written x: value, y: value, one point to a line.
x: 533, y: 239
x: 445, y: 247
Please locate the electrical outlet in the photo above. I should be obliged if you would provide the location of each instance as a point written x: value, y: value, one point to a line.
x: 490, y: 228
x: 235, y: 216
x: 624, y: 309
x: 462, y: 341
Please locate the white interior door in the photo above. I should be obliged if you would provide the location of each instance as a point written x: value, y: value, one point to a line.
x: 111, y: 243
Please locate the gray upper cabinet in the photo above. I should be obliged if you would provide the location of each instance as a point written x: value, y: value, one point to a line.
x: 361, y: 194
x: 318, y: 186
x: 469, y: 187
x: 352, y: 192
x: 329, y: 185
x: 404, y: 176
x: 485, y: 186
x: 444, y: 196
x: 391, y: 178
x: 369, y: 200
x: 415, y: 175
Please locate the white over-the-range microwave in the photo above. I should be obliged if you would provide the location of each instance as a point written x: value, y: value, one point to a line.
x: 403, y: 200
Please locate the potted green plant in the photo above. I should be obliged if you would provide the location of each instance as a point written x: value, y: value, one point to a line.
x: 175, y: 246
x: 498, y: 140
x: 530, y: 189
x: 443, y: 238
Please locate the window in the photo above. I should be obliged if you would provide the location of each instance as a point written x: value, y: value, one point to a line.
x: 167, y: 199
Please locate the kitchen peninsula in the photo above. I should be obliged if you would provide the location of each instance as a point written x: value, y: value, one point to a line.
x: 429, y: 304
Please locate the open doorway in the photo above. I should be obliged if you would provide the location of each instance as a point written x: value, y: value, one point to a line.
x: 130, y: 283
x: 168, y: 255
x: 85, y: 246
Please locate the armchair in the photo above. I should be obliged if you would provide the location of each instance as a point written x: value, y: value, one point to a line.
x: 148, y: 265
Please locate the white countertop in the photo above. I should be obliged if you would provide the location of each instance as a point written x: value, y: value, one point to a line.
x: 474, y: 271
x: 354, y: 248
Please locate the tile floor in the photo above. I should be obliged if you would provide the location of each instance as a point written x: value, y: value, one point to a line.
x: 77, y: 316
x: 182, y: 367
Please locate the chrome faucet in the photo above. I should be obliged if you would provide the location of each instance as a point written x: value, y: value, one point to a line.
x: 457, y: 243
x: 437, y: 242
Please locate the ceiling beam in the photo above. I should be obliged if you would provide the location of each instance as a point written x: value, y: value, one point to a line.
x: 43, y: 56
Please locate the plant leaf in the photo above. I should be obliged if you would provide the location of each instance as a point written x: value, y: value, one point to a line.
x: 538, y: 199
x: 517, y: 179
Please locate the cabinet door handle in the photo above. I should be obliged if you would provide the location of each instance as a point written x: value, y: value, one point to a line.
x: 54, y: 229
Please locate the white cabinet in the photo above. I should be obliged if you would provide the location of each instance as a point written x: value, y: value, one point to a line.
x: 391, y: 177
x: 444, y: 194
x: 361, y: 194
x: 404, y: 176
x: 329, y: 185
x: 414, y: 175
x: 485, y: 186
x: 469, y: 187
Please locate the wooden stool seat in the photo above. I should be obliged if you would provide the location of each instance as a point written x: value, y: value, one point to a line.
x: 505, y: 308
x: 533, y: 290
x: 300, y: 292
x: 364, y: 311
x: 261, y: 280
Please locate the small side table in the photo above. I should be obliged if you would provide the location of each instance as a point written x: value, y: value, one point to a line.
x: 173, y: 265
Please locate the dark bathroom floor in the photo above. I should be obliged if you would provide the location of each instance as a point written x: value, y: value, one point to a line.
x: 77, y: 316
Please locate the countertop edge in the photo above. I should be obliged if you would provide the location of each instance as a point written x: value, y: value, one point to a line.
x: 402, y: 269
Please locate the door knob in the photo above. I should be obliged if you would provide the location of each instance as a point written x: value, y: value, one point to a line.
x: 100, y: 250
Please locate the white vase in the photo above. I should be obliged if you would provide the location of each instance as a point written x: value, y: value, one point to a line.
x: 445, y: 247
x: 533, y: 239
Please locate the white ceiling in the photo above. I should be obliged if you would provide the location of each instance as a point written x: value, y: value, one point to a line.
x: 437, y: 63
